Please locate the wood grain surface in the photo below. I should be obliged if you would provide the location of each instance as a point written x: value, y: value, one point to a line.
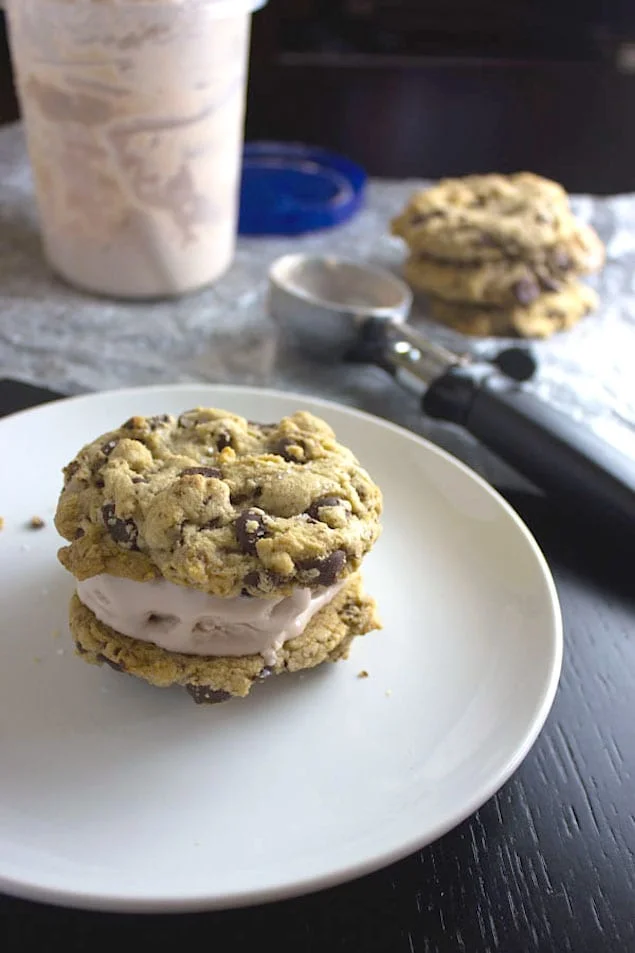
x: 546, y: 865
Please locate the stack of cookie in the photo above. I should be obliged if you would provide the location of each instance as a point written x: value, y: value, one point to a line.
x: 210, y: 551
x: 500, y: 254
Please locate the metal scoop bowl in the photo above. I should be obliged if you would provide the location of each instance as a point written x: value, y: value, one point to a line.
x: 322, y: 303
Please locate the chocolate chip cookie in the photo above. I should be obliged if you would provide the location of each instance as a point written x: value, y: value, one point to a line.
x: 211, y: 551
x: 507, y: 283
x: 327, y: 637
x: 481, y: 218
x: 544, y: 316
x: 214, y: 502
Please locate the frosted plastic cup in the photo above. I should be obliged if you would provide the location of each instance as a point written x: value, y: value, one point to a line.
x: 134, y: 115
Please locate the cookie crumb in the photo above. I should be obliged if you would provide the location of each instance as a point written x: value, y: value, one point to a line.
x: 388, y: 692
x: 36, y: 522
x: 56, y: 633
x: 362, y: 674
x: 1, y: 522
x: 37, y: 658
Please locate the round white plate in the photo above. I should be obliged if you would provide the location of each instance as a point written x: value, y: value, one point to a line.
x: 118, y: 796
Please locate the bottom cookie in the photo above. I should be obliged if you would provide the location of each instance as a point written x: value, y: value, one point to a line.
x: 551, y: 312
x: 208, y: 680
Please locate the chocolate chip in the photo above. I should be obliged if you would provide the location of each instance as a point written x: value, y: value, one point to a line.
x: 107, y: 448
x: 223, y: 439
x: 204, y: 695
x: 70, y: 471
x: 329, y: 567
x: 487, y: 241
x: 249, y: 528
x: 315, y: 507
x: 117, y: 666
x: 99, y: 483
x: 550, y: 284
x: 237, y: 498
x: 123, y: 532
x: 562, y: 259
x: 209, y: 472
x: 213, y: 523
x: 79, y: 533
x: 186, y: 421
x: 284, y: 449
x: 525, y: 291
x: 80, y: 649
x: 265, y: 580
x: 159, y: 420
x: 140, y: 480
x: 252, y: 579
x: 264, y: 673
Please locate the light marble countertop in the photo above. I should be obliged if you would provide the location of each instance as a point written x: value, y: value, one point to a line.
x: 57, y: 337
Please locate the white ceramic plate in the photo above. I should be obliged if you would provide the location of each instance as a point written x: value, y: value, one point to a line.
x: 118, y: 796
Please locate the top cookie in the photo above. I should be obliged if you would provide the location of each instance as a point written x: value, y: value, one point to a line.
x: 487, y: 217
x: 221, y: 504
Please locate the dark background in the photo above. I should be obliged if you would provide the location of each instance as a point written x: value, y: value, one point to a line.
x: 438, y: 87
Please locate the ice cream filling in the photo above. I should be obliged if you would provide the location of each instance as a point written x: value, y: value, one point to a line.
x: 185, y: 620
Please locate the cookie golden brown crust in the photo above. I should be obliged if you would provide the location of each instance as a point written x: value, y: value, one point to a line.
x: 326, y: 638
x: 218, y: 503
x: 504, y: 283
x: 482, y: 218
x: 548, y: 314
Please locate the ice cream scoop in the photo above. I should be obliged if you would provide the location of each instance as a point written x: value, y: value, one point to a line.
x: 337, y: 309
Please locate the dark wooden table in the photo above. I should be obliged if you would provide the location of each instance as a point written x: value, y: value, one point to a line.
x: 546, y: 865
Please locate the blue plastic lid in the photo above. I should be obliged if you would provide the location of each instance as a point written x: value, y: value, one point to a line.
x: 290, y: 189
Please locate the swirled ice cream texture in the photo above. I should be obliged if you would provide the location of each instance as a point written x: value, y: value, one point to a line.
x: 195, y: 623
x: 134, y: 122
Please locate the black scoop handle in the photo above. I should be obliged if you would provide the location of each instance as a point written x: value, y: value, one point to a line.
x: 566, y: 460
